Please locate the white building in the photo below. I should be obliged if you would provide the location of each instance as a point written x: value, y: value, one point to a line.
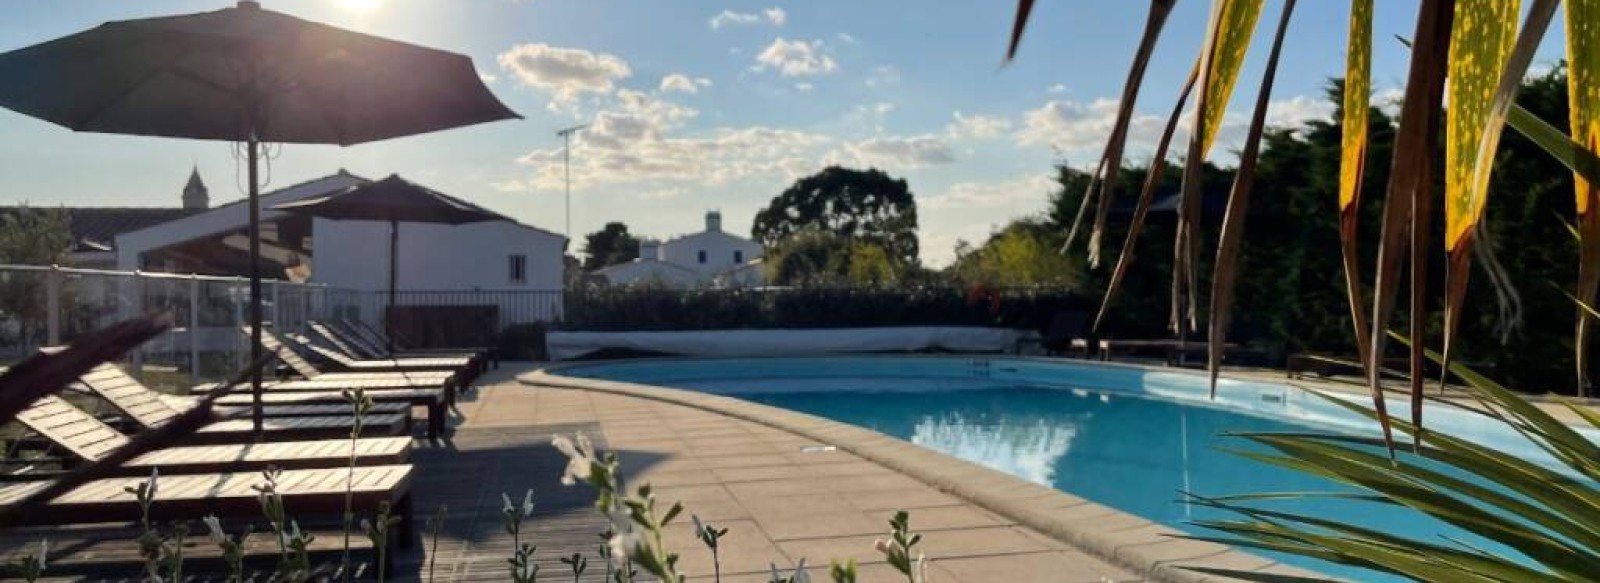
x: 489, y: 257
x: 711, y: 257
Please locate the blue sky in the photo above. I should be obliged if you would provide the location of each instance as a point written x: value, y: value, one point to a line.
x: 722, y: 103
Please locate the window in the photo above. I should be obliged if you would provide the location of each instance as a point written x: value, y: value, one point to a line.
x: 738, y: 256
x: 702, y: 256
x: 519, y: 269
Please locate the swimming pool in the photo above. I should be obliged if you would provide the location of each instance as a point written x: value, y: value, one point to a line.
x: 1127, y: 437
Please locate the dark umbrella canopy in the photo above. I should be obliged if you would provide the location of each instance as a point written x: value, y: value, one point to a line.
x: 393, y: 199
x: 248, y: 75
x: 219, y: 75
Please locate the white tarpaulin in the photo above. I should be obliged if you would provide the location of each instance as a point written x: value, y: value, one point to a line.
x: 570, y: 345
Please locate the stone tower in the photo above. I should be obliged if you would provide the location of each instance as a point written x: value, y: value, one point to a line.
x: 195, y: 195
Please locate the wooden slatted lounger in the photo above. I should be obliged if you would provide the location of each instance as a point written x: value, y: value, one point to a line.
x: 89, y: 439
x: 284, y: 399
x: 306, y: 369
x: 147, y: 409
x: 376, y: 344
x: 466, y: 368
x: 305, y: 493
x: 342, y: 339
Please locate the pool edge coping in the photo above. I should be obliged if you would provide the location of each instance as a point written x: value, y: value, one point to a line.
x: 1123, y: 539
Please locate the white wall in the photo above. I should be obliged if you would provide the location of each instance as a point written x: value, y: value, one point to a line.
x: 718, y: 246
x: 649, y: 272
x: 355, y: 255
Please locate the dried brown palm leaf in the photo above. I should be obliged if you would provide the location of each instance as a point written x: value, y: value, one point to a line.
x: 1146, y: 195
x: 1024, y: 9
x: 1410, y: 178
x: 1111, y: 161
x: 1232, y: 24
x: 1353, y: 161
x: 1225, y: 272
x: 47, y: 373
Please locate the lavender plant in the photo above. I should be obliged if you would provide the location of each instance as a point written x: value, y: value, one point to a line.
x: 294, y: 563
x: 172, y: 551
x: 149, y: 540
x: 577, y: 564
x: 709, y: 535
x: 232, y: 548
x: 32, y: 565
x: 523, y: 569
x: 360, y: 406
x: 378, y: 532
x: 798, y: 575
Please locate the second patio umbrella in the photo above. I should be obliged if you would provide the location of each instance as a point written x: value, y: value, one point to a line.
x: 395, y: 200
x: 246, y: 75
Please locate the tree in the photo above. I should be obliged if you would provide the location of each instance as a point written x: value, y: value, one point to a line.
x: 817, y: 258
x: 30, y: 237
x: 1024, y: 253
x: 864, y: 205
x: 609, y: 246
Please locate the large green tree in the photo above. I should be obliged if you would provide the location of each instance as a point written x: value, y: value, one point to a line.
x: 30, y: 236
x: 610, y: 245
x: 822, y: 259
x: 1024, y: 253
x: 861, y: 205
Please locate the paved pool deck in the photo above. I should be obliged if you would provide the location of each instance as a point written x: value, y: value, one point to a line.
x: 753, y: 469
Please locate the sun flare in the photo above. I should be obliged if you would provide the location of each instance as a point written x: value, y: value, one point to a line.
x: 359, y: 6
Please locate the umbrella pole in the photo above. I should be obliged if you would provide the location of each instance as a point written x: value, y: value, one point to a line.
x: 394, y: 257
x: 252, y: 147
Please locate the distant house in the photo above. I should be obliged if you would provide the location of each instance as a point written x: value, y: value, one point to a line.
x: 95, y: 229
x: 708, y: 258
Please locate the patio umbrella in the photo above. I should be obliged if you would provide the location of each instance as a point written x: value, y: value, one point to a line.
x: 395, y: 200
x: 249, y: 75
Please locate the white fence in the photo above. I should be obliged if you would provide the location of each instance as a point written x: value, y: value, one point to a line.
x: 43, y: 306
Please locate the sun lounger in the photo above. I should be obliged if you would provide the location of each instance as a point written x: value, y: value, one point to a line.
x: 305, y: 492
x: 284, y: 399
x: 147, y: 409
x: 342, y: 338
x: 371, y: 378
x: 89, y: 439
x: 377, y: 343
x: 339, y: 359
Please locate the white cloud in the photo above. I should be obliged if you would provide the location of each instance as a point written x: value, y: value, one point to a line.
x: 640, y: 141
x: 795, y: 58
x: 883, y: 76
x: 1078, y: 130
x: 774, y: 16
x: 804, y: 87
x: 896, y: 153
x: 846, y: 38
x: 565, y: 73
x: 1057, y: 88
x: 1033, y: 190
x: 488, y: 78
x: 977, y: 126
x: 1296, y: 111
x: 683, y: 83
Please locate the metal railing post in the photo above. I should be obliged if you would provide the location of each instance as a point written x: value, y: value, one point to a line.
x: 136, y: 356
x: 52, y: 305
x: 194, y: 330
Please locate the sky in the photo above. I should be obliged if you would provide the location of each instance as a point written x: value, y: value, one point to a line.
x: 695, y: 105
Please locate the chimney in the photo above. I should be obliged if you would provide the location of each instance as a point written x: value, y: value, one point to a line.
x: 649, y: 249
x: 713, y: 221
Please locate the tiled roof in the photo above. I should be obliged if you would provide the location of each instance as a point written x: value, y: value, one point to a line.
x: 97, y: 227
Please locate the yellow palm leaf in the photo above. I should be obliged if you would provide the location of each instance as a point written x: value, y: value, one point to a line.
x: 1357, y: 88
x: 1583, y: 93
x: 1233, y: 24
x: 1480, y: 43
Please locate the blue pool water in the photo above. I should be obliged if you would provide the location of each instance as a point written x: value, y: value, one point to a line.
x: 1129, y: 438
